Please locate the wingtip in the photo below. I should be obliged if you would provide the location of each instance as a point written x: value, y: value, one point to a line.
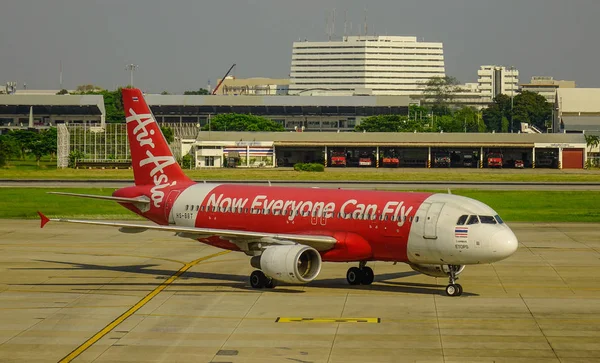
x: 43, y: 219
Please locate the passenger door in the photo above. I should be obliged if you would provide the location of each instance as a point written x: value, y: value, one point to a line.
x: 431, y: 219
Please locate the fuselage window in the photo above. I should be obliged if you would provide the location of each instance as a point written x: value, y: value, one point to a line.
x: 416, y: 219
x: 202, y: 208
x: 473, y: 220
x: 197, y: 208
x: 500, y: 221
x: 487, y: 219
x: 462, y: 220
x: 187, y: 207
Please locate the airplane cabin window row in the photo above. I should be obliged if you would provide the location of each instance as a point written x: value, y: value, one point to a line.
x: 367, y: 216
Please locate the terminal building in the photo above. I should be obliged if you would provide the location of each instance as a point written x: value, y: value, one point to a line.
x: 294, y: 113
x: 45, y: 110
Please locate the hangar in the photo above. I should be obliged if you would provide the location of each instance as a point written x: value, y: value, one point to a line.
x: 425, y: 150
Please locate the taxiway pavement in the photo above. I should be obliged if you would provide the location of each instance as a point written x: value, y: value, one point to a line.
x: 104, y: 296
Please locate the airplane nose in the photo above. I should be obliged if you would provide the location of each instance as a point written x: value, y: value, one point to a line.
x: 504, y: 244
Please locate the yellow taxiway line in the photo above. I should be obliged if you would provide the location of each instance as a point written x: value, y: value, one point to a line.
x: 88, y: 343
x: 328, y: 320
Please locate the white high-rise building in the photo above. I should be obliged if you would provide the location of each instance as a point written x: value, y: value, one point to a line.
x: 378, y: 65
x: 494, y: 80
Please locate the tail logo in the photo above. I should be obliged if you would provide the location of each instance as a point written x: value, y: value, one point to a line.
x: 144, y: 138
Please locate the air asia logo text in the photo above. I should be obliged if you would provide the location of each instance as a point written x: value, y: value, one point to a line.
x: 144, y: 138
x: 395, y: 211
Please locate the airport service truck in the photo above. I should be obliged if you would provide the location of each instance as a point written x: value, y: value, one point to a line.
x: 495, y: 160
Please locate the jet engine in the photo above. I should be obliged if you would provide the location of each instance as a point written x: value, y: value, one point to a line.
x: 436, y: 270
x: 291, y: 263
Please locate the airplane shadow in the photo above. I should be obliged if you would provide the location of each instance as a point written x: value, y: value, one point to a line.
x: 239, y: 282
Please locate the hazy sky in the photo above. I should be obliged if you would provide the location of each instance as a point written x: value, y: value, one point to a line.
x: 181, y: 44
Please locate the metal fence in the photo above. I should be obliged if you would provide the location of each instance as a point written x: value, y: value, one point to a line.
x: 109, y: 144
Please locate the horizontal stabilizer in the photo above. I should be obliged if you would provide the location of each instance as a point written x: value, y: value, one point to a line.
x: 142, y: 199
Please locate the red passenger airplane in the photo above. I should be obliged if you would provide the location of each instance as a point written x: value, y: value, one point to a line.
x: 289, y: 232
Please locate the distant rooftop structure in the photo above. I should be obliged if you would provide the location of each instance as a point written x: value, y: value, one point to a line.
x: 253, y: 86
x: 546, y: 86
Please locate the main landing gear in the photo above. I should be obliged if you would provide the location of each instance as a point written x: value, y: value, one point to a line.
x: 453, y: 289
x: 259, y: 280
x: 361, y: 275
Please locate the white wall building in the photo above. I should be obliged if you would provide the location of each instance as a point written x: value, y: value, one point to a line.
x: 494, y: 80
x: 546, y: 86
x: 378, y: 65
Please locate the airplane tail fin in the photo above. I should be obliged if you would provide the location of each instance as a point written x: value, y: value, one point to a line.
x: 151, y: 159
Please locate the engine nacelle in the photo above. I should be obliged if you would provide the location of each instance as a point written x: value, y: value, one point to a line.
x: 292, y: 264
x: 436, y: 270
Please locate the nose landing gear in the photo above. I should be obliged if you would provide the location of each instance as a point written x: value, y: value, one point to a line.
x: 361, y: 275
x: 453, y: 289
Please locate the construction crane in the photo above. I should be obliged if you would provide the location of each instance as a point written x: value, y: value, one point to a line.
x: 214, y: 92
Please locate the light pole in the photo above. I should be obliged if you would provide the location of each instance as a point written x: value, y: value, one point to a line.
x: 512, y: 94
x: 131, y: 68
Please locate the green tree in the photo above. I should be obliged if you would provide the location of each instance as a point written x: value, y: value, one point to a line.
x: 24, y: 140
x: 43, y: 144
x: 243, y: 122
x: 532, y: 108
x: 4, y: 152
x: 167, y: 133
x: 440, y: 93
x: 468, y: 120
x: 11, y: 146
x: 495, y: 114
x: 113, y: 103
x: 62, y: 92
x: 381, y: 123
x: 418, y: 112
x: 592, y: 141
x: 84, y: 88
x: 164, y: 93
x: 200, y: 91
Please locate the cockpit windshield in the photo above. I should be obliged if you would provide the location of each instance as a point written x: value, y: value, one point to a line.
x: 473, y: 220
x: 487, y: 219
x: 461, y: 220
x: 500, y: 221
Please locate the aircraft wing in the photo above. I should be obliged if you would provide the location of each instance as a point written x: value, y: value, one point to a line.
x: 240, y: 238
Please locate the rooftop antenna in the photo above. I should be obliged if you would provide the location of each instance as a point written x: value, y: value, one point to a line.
x: 327, y: 26
x: 345, y: 23
x: 366, y: 26
x: 333, y: 23
x: 60, y: 78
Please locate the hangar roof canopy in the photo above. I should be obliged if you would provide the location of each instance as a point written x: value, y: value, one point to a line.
x: 52, y: 104
x: 394, y: 139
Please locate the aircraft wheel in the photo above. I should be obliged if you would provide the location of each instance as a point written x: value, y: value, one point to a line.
x: 354, y: 276
x: 368, y: 276
x: 460, y: 289
x: 453, y: 290
x: 270, y: 283
x: 258, y: 280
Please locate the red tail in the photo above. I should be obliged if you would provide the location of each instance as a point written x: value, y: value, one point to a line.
x: 152, y: 160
